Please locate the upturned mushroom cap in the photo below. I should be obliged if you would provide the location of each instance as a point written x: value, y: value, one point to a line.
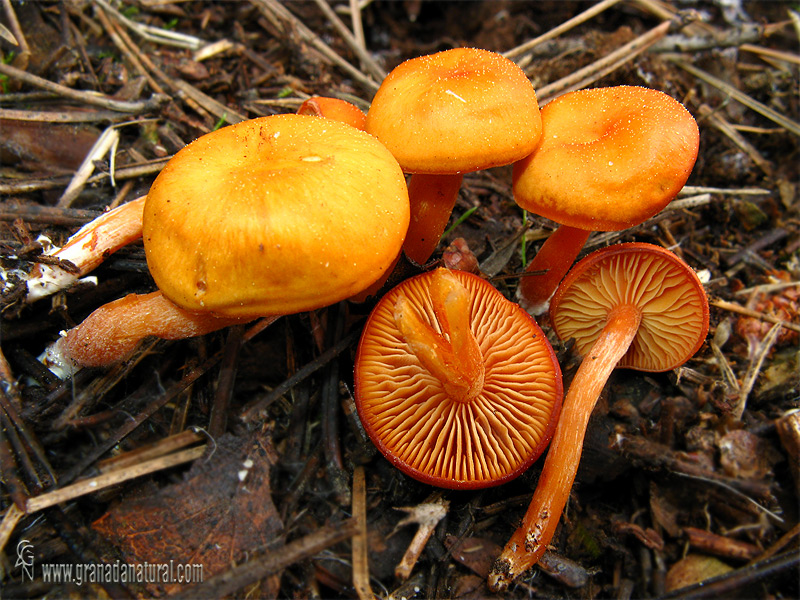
x: 609, y: 158
x: 274, y: 215
x: 480, y: 433
x: 456, y: 111
x: 666, y: 291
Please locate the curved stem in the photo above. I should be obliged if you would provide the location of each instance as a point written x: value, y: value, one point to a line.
x: 530, y: 540
x: 87, y: 248
x: 111, y: 333
x: 453, y: 356
x: 554, y: 259
x: 432, y: 198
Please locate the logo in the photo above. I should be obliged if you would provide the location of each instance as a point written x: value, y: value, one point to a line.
x: 25, y: 559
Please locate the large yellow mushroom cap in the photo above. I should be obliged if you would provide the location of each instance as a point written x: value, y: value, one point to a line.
x: 274, y: 215
x: 456, y: 111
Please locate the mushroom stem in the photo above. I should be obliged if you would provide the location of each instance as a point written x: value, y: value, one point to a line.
x: 453, y: 356
x: 554, y: 258
x: 530, y: 540
x: 87, y: 248
x: 432, y: 198
x: 111, y: 333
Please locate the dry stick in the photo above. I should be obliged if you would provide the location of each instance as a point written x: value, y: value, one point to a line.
x: 737, y: 138
x: 105, y: 144
x: 136, y: 107
x: 197, y: 100
x: 131, y: 172
x: 147, y: 452
x: 226, y: 584
x: 366, y: 59
x: 736, y: 308
x: 602, y: 67
x: 769, y: 52
x: 565, y: 26
x: 10, y: 520
x: 272, y: 8
x: 16, y: 30
x: 94, y: 484
x: 755, y: 368
x: 359, y: 543
x: 357, y: 24
x: 48, y: 116
x: 154, y: 34
x: 112, y: 30
x: 762, y: 109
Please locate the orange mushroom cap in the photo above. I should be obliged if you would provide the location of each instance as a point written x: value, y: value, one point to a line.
x: 457, y: 386
x: 274, y: 215
x: 334, y: 108
x: 456, y: 111
x: 609, y: 158
x: 667, y: 293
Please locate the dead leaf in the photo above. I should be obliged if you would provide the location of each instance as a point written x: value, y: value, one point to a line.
x: 221, y: 512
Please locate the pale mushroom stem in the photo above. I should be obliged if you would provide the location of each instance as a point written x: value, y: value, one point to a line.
x: 87, y: 248
x: 530, y: 540
x: 432, y: 198
x: 453, y: 356
x: 111, y: 333
x: 553, y: 260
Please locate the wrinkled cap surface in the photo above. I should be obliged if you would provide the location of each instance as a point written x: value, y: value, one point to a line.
x: 609, y: 158
x: 274, y: 215
x: 430, y: 436
x: 456, y: 111
x: 665, y: 289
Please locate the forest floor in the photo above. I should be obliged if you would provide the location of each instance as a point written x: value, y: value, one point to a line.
x: 240, y: 450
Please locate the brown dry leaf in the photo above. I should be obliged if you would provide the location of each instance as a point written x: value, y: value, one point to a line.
x: 477, y: 554
x: 221, y: 512
x: 45, y: 146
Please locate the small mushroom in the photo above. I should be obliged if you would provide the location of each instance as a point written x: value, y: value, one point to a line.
x: 631, y: 305
x: 334, y: 108
x: 609, y: 158
x: 446, y: 114
x: 457, y: 386
x: 275, y: 215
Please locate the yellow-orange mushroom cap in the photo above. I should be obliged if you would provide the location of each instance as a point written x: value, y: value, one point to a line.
x: 457, y: 386
x: 456, y: 111
x: 609, y: 158
x: 274, y: 215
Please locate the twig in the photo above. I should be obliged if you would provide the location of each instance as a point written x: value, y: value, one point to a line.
x: 602, y: 67
x: 92, y: 98
x: 226, y: 584
x: 16, y: 30
x: 94, y: 484
x: 739, y: 96
x: 737, y: 138
x: 274, y: 9
x: 154, y: 34
x: 427, y: 515
x: 359, y: 543
x: 12, y: 516
x: 565, y: 26
x: 757, y: 361
x: 736, y: 308
x: 105, y: 144
x: 49, y: 116
x: 366, y: 59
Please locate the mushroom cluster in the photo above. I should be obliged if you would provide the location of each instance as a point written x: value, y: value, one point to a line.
x: 455, y: 384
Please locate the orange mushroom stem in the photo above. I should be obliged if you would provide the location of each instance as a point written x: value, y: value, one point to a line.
x: 553, y: 260
x: 87, y: 248
x: 431, y: 198
x: 452, y: 356
x: 631, y: 305
x: 608, y: 159
x: 111, y: 333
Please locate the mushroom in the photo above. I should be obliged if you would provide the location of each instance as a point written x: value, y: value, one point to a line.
x: 632, y: 305
x: 456, y: 386
x: 275, y: 215
x: 86, y: 249
x: 334, y: 108
x: 609, y: 158
x: 446, y: 114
